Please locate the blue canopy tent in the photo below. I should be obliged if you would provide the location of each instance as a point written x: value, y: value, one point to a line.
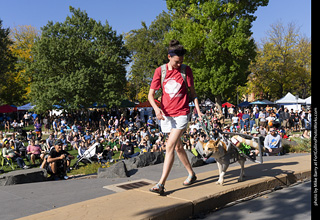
x: 25, y: 107
x: 244, y: 104
x: 258, y: 103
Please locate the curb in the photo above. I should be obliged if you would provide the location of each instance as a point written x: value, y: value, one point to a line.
x: 217, y: 201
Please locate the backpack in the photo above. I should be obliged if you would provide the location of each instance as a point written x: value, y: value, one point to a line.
x: 183, y: 68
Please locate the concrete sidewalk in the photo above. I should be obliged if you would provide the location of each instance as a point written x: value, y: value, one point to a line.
x: 181, y: 202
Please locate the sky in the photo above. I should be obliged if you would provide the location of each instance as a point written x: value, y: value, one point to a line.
x: 126, y: 15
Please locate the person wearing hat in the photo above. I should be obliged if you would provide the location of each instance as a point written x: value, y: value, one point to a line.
x: 59, y: 160
x: 254, y: 131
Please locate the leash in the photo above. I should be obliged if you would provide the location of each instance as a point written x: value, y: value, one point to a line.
x: 207, y: 128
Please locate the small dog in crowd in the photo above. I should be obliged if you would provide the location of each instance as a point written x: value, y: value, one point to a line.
x: 221, y: 150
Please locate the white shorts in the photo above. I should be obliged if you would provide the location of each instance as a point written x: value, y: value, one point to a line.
x: 179, y: 122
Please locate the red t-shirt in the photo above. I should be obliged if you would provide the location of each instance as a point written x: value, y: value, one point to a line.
x: 174, y: 99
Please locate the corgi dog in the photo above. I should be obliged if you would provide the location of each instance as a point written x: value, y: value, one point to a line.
x: 220, y: 150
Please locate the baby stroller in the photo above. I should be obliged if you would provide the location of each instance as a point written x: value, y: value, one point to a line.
x: 88, y: 156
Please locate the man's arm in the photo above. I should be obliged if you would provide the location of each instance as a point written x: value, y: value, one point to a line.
x: 50, y: 159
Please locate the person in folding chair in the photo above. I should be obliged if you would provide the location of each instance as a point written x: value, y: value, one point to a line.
x: 58, y: 161
x: 9, y: 154
x: 174, y: 78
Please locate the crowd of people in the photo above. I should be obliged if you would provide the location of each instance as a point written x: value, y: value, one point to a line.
x: 131, y: 133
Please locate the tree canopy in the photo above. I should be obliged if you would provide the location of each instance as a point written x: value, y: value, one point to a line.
x: 283, y: 64
x: 148, y: 52
x: 7, y: 70
x: 77, y: 63
x: 217, y: 35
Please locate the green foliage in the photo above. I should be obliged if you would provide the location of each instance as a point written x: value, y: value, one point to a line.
x: 283, y: 64
x: 148, y: 52
x: 8, y: 87
x: 77, y: 63
x: 301, y: 146
x: 217, y: 35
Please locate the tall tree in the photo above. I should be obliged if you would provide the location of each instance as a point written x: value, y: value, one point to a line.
x: 283, y: 64
x: 7, y: 71
x: 148, y: 52
x: 77, y: 63
x: 217, y: 35
x: 23, y: 37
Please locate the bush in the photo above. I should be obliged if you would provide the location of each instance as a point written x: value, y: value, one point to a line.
x: 301, y: 146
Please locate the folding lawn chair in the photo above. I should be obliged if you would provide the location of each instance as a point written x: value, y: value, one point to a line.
x: 87, y: 156
x: 6, y: 161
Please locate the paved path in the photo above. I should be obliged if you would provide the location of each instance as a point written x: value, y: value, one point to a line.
x: 292, y: 203
x: 87, y: 199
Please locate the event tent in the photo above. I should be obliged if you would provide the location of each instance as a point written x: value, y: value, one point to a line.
x: 268, y: 102
x: 126, y: 103
x: 291, y: 102
x: 290, y: 99
x: 7, y: 109
x: 258, y: 103
x: 244, y: 104
x: 227, y: 104
x: 25, y: 107
x: 208, y: 102
x: 308, y: 100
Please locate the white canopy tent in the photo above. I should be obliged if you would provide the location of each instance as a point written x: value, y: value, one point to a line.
x: 291, y: 102
x: 290, y: 99
x: 308, y: 100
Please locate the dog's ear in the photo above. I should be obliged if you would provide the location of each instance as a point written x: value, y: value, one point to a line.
x: 210, y: 144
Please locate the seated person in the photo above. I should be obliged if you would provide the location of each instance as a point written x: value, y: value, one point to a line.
x: 75, y: 143
x: 112, y: 144
x: 21, y: 124
x: 44, y: 149
x: 59, y: 160
x: 127, y: 150
x: 50, y: 141
x: 33, y: 152
x: 107, y: 155
x: 64, y: 142
x: 87, y: 136
x: 20, y: 149
x: 143, y: 146
x: 199, y: 149
x: 14, y: 125
x: 30, y: 136
x: 272, y: 142
x: 81, y: 149
x: 9, y: 152
x: 155, y: 148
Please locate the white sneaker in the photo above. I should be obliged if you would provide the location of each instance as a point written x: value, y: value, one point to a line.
x: 26, y: 167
